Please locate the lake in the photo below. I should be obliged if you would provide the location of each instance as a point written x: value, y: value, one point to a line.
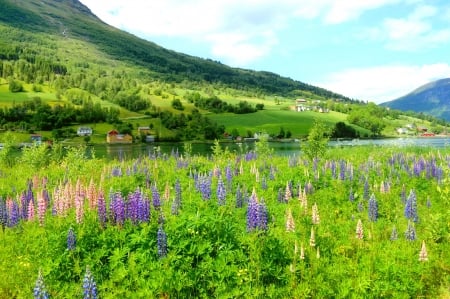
x: 128, y: 151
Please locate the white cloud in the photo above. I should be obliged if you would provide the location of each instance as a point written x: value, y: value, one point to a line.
x: 414, y: 32
x: 345, y: 10
x: 384, y: 83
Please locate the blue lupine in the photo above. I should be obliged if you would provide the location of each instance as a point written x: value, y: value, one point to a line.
x: 205, y: 186
x: 342, y: 168
x: 411, y: 207
x: 89, y: 286
x: 280, y: 196
x: 264, y: 183
x: 228, y: 176
x: 252, y: 213
x: 373, y: 208
x: 71, y: 239
x: 39, y: 291
x: 161, y: 242
x: 351, y: 196
x: 13, y: 213
x: 262, y: 215
x: 221, y: 192
x: 3, y: 213
x: 410, y: 232
x: 366, y: 190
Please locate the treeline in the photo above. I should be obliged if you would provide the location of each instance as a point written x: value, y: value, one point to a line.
x: 191, y: 126
x: 216, y: 105
x: 36, y: 115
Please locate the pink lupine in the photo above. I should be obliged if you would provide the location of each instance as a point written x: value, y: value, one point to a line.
x: 287, y: 193
x: 423, y: 255
x: 92, y: 195
x: 359, y: 230
x: 41, y: 205
x: 31, y: 212
x: 290, y: 224
x: 79, y: 208
x: 166, y: 195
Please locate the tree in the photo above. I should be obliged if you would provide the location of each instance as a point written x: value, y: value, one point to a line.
x: 15, y: 86
x: 176, y: 104
x: 316, y: 145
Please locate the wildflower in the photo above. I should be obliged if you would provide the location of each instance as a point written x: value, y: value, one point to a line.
x: 39, y: 291
x: 117, y: 208
x: 262, y: 215
x: 156, y: 198
x: 162, y: 242
x: 411, y: 207
x: 351, y: 196
x: 221, y: 192
x: 101, y: 209
x: 41, y: 208
x: 373, y: 208
x: 366, y: 189
x: 290, y: 224
x: 239, y: 197
x: 394, y: 234
x: 359, y: 230
x: 12, y: 212
x: 287, y: 193
x: 410, y: 232
x: 315, y: 214
x: 3, y: 213
x: 71, y: 239
x: 423, y: 255
x: 89, y: 286
x: 302, y: 252
x: 312, y: 238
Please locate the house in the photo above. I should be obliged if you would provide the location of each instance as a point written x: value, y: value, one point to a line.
x: 402, y: 131
x: 150, y: 138
x: 300, y: 105
x: 84, y: 131
x: 114, y: 137
x: 143, y: 131
x: 36, y: 138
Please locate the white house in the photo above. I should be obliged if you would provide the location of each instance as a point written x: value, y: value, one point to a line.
x: 84, y: 131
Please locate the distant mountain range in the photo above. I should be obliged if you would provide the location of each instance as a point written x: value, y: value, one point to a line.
x: 432, y: 98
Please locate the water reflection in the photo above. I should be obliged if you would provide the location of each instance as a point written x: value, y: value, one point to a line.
x: 125, y: 151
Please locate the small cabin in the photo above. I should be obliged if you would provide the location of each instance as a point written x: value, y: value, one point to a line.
x: 84, y: 131
x: 114, y: 137
x: 144, y: 130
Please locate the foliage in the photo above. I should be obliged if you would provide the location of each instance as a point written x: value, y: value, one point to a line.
x: 142, y: 228
x: 317, y: 142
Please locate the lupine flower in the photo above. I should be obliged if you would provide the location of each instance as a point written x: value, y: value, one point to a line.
x: 101, y: 209
x: 366, y: 190
x: 302, y: 252
x: 410, y: 232
x: 42, y: 205
x: 13, y: 212
x: 290, y: 224
x: 71, y: 239
x: 262, y: 215
x: 280, y: 196
x: 221, y: 192
x: 312, y: 238
x: 423, y: 255
x: 167, y: 192
x: 162, y: 242
x: 359, y: 230
x: 264, y: 183
x: 403, y: 194
x: 351, y: 196
x: 256, y: 213
x: 373, y: 208
x: 156, y: 198
x: 39, y: 291
x: 89, y: 286
x: 287, y: 192
x: 178, y: 192
x: 360, y: 207
x: 394, y: 234
x: 117, y: 209
x: 411, y: 207
x: 3, y: 213
x: 315, y: 214
x: 31, y: 212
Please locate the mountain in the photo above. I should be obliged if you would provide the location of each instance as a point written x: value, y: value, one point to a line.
x: 432, y: 98
x: 72, y: 20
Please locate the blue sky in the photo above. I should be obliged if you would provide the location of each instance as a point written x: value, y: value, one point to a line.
x: 371, y: 50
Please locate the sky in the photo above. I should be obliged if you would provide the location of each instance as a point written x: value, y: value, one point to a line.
x: 370, y: 50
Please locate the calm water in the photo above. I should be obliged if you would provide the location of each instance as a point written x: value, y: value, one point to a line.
x: 280, y: 148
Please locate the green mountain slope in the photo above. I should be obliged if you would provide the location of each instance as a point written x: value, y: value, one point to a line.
x: 73, y: 20
x: 432, y: 98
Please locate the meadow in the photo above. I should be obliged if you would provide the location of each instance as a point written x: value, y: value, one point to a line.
x: 361, y: 222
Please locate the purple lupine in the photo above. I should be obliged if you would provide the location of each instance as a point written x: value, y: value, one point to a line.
x: 360, y: 207
x: 89, y: 286
x: 411, y: 207
x: 161, y: 242
x: 117, y: 208
x: 3, y: 213
x: 280, y: 196
x: 252, y: 213
x: 394, y: 234
x: 264, y: 183
x: 133, y: 205
x: 144, y: 209
x: 116, y: 171
x: 366, y: 190
x: 351, y: 196
x: 263, y: 215
x: 71, y: 239
x: 156, y: 199
x: 101, y: 209
x: 39, y: 291
x: 205, y: 186
x: 342, y: 168
x: 410, y: 233
x: 373, y: 208
x: 13, y: 212
x: 228, y: 176
x: 221, y: 192
x: 309, y: 189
